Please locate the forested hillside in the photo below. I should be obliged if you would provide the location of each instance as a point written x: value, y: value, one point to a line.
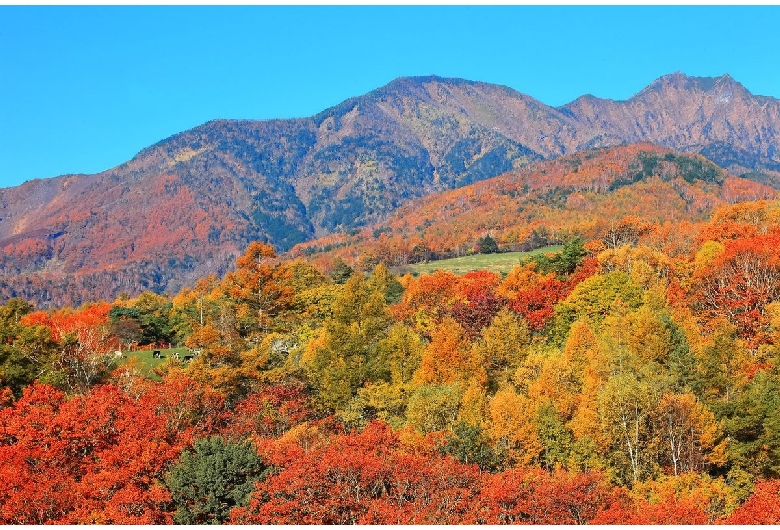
x: 622, y: 191
x: 187, y: 205
x: 629, y: 380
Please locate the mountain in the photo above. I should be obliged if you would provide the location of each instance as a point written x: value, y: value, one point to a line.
x: 716, y: 117
x: 186, y: 206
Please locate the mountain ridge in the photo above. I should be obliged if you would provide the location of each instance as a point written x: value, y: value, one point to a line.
x: 186, y: 205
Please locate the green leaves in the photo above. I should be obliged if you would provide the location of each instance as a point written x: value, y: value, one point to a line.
x: 211, y: 480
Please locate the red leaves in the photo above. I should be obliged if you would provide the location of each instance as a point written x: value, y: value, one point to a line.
x: 533, y: 496
x: 480, y: 302
x: 96, y: 458
x: 762, y: 507
x: 272, y: 411
x: 333, y: 485
x: 740, y: 283
x: 369, y: 478
x: 537, y: 303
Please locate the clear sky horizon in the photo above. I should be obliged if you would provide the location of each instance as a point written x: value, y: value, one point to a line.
x: 84, y: 88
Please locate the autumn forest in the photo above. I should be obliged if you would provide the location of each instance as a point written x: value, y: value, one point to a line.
x: 629, y: 378
x: 233, y: 326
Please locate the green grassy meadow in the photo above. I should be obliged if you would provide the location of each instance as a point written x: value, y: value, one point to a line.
x: 502, y: 263
x: 143, y: 360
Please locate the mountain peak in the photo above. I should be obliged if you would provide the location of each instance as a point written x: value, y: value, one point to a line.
x: 681, y: 81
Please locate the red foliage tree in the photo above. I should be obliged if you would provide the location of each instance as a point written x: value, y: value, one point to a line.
x: 533, y: 496
x: 740, y: 283
x: 762, y: 507
x: 537, y: 303
x: 97, y: 458
x: 478, y: 302
x: 272, y: 411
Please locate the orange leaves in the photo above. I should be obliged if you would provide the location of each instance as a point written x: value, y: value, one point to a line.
x: 446, y: 359
x: 67, y: 321
x: 426, y: 298
x: 740, y: 282
x: 258, y: 285
x: 689, y: 431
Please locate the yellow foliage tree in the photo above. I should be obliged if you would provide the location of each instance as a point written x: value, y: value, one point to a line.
x: 502, y: 347
x: 512, y: 428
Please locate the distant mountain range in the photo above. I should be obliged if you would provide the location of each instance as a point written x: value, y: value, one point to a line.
x: 186, y: 206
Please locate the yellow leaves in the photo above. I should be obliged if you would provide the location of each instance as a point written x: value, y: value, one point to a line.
x: 502, y: 346
x: 512, y: 426
x: 707, y: 254
x: 713, y: 494
x: 317, y: 344
x: 402, y: 348
x: 388, y: 401
x: 434, y: 408
x: 773, y: 314
x: 304, y: 435
x: 689, y: 431
x: 582, y: 346
x: 648, y: 337
x: 474, y: 405
x: 645, y: 266
x: 185, y: 154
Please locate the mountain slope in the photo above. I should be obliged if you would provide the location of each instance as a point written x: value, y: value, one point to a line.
x: 585, y: 194
x: 187, y: 205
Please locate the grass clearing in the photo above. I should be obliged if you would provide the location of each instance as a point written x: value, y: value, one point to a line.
x: 146, y: 362
x: 501, y: 263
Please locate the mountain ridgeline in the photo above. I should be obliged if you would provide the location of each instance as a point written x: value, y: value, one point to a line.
x: 187, y: 206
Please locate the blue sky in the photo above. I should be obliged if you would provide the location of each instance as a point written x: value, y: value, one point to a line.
x: 83, y: 89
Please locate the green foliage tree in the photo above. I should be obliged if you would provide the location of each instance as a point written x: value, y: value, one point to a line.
x: 752, y: 423
x: 554, y: 436
x: 487, y: 245
x: 565, y: 261
x: 212, y: 479
x: 349, y: 355
x: 25, y: 351
x: 469, y: 444
x: 341, y: 272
